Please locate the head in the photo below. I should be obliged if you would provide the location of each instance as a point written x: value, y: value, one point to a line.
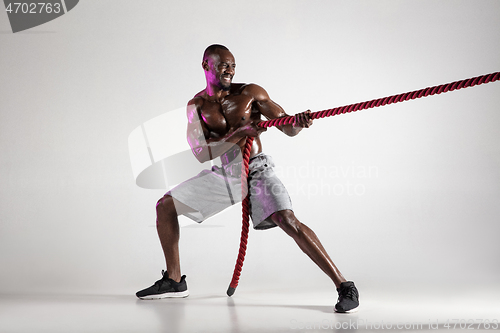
x: 219, y: 66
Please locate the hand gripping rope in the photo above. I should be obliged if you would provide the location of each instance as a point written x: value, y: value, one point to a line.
x: 332, y: 112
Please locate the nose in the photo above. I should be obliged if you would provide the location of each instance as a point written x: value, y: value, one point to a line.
x: 230, y: 70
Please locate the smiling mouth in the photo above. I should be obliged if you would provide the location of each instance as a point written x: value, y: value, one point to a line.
x: 227, y: 78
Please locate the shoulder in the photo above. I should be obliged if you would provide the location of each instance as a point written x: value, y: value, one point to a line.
x: 197, y: 100
x: 255, y: 91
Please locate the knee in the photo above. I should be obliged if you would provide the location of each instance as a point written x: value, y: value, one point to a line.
x: 287, y: 221
x: 165, y: 206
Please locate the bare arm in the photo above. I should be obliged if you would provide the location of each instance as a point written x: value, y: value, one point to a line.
x: 272, y: 110
x: 206, y: 146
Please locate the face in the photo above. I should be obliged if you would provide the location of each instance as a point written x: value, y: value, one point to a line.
x: 219, y: 69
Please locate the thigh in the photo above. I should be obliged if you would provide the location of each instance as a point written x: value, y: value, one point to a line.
x: 206, y: 194
x: 267, y: 193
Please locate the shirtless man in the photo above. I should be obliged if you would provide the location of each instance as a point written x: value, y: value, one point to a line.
x: 220, y: 117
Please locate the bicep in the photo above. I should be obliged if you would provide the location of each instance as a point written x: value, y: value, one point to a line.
x: 266, y: 106
x: 270, y: 109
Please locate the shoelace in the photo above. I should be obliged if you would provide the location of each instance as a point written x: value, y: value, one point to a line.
x: 160, y: 281
x: 349, y: 292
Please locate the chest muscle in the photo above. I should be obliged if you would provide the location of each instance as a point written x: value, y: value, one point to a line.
x: 231, y: 113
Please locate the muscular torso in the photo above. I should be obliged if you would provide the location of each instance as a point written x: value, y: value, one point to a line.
x: 229, y: 113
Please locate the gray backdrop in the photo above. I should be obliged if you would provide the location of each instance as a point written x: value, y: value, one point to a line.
x: 407, y: 193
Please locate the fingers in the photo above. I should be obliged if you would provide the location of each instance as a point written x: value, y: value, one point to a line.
x: 303, y: 119
x: 261, y: 130
x: 257, y: 128
x: 309, y: 118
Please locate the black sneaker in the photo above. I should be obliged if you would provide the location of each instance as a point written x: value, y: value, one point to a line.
x: 348, y: 298
x: 164, y: 288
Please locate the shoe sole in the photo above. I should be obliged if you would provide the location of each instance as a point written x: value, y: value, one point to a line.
x: 350, y: 311
x: 180, y: 294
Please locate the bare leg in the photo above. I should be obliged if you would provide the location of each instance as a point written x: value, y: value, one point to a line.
x: 167, y: 226
x: 308, y: 242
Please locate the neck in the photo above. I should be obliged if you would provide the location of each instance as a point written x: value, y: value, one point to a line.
x: 215, y: 91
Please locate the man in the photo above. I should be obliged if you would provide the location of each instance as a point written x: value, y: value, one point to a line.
x: 220, y: 118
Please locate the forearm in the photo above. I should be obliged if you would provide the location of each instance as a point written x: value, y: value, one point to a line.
x: 290, y: 130
x: 301, y: 120
x: 215, y: 147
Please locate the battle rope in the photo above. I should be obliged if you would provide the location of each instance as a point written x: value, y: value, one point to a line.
x: 391, y: 99
x: 246, y: 218
x: 332, y: 112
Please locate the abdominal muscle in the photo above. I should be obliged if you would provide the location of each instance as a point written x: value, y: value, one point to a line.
x: 256, y: 147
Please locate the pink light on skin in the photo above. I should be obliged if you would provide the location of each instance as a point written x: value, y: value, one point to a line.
x: 220, y: 69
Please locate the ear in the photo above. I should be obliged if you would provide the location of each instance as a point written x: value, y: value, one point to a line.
x: 205, y: 65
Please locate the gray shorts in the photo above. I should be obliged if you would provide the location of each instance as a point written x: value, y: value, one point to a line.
x: 212, y: 191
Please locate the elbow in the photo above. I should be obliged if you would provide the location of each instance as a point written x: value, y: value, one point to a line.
x: 201, y: 159
x: 201, y: 155
x: 293, y: 131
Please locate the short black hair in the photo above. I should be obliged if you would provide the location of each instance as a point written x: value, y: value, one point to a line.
x: 211, y: 49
